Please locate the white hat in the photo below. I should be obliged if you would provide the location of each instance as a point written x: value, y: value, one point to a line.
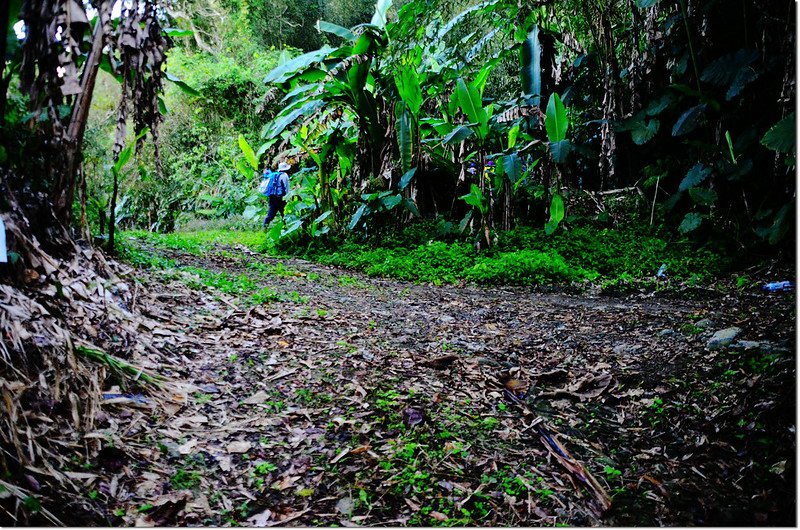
x: 283, y: 166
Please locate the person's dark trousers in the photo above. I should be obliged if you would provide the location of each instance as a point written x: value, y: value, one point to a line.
x: 276, y: 206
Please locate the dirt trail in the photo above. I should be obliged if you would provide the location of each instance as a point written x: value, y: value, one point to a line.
x: 339, y: 399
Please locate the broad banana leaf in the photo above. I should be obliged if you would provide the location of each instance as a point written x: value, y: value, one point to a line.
x: 346, y: 153
x: 379, y: 18
x: 513, y: 133
x: 285, y: 71
x: 405, y: 137
x: 457, y: 135
x: 183, y: 85
x: 453, y: 22
x: 560, y: 151
x: 476, y: 198
x: 391, y: 201
x: 531, y: 69
x: 555, y: 121
x: 335, y: 29
x: 512, y: 165
x: 248, y: 152
x: 357, y: 216
x: 483, y: 75
x: 406, y: 179
x: 300, y: 89
x: 476, y: 49
x: 407, y: 81
x: 279, y: 125
x: 556, y: 214
x: 470, y: 101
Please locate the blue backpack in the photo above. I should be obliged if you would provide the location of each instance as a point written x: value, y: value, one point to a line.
x: 272, y: 184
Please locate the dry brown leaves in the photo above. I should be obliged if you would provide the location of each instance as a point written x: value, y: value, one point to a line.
x: 321, y: 411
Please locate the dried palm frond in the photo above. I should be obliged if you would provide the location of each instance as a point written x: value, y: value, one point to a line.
x: 25, y: 497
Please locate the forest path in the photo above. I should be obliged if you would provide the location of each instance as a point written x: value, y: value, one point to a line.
x: 324, y: 397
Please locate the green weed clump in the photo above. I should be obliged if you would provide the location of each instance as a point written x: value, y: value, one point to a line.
x: 524, y: 267
x: 612, y: 254
x: 439, y: 262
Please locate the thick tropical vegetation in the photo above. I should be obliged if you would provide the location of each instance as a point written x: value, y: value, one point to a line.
x: 494, y: 150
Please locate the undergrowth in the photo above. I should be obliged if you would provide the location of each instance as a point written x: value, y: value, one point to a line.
x: 434, y: 252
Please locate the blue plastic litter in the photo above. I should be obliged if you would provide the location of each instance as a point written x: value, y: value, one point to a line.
x: 777, y: 286
x: 136, y: 398
x: 662, y: 271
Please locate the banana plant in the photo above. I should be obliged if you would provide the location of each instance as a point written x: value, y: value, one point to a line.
x: 409, y: 88
x: 342, y: 80
x: 531, y: 66
x: 556, y: 124
x: 381, y: 203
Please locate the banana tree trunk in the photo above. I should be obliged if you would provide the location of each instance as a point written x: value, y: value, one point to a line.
x: 64, y: 186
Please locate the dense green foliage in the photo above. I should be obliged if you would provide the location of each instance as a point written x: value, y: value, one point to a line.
x: 527, y: 256
x: 435, y: 253
x: 490, y: 117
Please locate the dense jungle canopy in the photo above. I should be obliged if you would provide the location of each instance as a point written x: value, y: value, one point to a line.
x: 506, y: 154
x: 491, y: 115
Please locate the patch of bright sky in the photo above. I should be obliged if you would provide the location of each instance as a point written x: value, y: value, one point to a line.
x: 116, y: 11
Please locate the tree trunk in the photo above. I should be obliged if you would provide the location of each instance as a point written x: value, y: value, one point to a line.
x: 86, y: 233
x: 5, y: 9
x: 112, y: 217
x: 72, y: 143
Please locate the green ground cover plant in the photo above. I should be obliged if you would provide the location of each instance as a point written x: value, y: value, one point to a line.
x: 431, y: 252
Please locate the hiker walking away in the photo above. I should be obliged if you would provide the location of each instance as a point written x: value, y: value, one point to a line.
x: 277, y: 185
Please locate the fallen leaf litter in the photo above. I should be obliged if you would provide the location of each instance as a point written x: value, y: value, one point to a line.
x: 369, y: 401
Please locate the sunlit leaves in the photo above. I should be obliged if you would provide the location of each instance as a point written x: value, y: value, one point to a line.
x: 556, y: 214
x: 408, y: 87
x: 476, y: 198
x: 555, y: 121
x: 379, y: 17
x: 178, y: 32
x: 182, y: 85
x: 513, y: 133
x: 248, y: 152
x: 469, y: 100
